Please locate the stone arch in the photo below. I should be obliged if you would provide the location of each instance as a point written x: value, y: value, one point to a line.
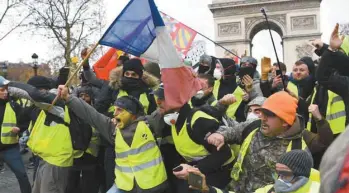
x: 238, y: 21
x: 261, y: 24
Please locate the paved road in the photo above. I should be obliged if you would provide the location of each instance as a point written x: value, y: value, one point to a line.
x: 8, y: 181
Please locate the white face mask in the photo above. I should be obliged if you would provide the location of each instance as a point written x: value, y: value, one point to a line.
x: 171, y: 119
x: 251, y: 116
x: 199, y: 94
x: 217, y: 74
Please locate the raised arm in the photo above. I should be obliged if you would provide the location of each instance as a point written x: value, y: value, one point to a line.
x: 86, y: 112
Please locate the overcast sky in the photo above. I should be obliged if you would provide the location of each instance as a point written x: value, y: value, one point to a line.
x: 194, y: 13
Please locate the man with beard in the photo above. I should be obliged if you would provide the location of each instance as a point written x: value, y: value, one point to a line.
x: 226, y: 84
x: 279, y: 131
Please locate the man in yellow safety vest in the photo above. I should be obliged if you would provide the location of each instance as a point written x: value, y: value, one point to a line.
x: 139, y: 165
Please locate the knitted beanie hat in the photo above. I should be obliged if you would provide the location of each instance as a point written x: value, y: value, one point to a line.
x: 299, y: 161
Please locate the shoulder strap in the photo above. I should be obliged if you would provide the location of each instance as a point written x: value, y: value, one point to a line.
x: 296, y: 143
x: 249, y: 128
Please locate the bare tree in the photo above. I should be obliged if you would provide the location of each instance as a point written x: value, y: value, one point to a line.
x: 12, y: 16
x: 70, y: 23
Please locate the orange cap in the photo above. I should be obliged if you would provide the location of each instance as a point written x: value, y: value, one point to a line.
x: 282, y: 105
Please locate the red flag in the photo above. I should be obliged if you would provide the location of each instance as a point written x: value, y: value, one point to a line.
x: 106, y: 63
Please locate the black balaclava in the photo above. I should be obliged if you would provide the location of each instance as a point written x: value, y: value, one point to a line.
x: 228, y: 81
x: 132, y: 84
x: 207, y: 69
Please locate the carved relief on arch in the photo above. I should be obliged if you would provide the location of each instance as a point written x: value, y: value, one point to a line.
x: 249, y: 21
x: 278, y: 20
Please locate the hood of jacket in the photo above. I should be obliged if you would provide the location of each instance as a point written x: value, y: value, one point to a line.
x: 296, y: 130
x: 116, y: 74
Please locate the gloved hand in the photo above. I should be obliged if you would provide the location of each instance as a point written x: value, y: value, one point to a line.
x: 266, y: 67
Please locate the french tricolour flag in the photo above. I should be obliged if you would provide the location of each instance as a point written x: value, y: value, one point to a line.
x: 140, y: 31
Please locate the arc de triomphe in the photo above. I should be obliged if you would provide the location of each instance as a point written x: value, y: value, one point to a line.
x: 238, y: 21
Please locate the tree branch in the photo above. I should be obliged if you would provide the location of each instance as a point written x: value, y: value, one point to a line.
x: 15, y: 27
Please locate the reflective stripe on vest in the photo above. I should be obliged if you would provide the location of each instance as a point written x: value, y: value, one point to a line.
x: 143, y: 99
x: 335, y: 113
x: 141, y: 163
x: 186, y: 147
x: 293, y: 88
x: 244, y: 149
x: 52, y: 143
x: 149, y: 164
x: 238, y: 93
x: 9, y: 121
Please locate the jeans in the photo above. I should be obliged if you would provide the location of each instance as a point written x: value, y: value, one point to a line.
x: 13, y: 159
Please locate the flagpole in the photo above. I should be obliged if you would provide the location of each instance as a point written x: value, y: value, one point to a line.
x: 206, y: 38
x: 75, y: 72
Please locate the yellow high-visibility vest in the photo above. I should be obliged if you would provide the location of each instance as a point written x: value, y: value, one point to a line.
x: 141, y: 162
x: 244, y: 149
x: 9, y: 121
x: 186, y: 147
x: 52, y: 143
x: 293, y: 88
x: 143, y: 99
x: 335, y: 113
x: 238, y: 93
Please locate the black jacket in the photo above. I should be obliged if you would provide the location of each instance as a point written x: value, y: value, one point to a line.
x: 211, y: 165
x: 331, y: 75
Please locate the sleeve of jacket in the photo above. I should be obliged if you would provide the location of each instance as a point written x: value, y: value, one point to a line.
x: 155, y: 122
x: 331, y: 79
x: 320, y: 51
x: 265, y: 88
x: 201, y: 129
x: 152, y: 103
x: 42, y: 100
x: 104, y: 99
x: 256, y: 90
x: 320, y: 141
x: 233, y: 133
x: 97, y: 120
x: 91, y: 78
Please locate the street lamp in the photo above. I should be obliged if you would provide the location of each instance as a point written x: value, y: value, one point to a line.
x: 35, y: 63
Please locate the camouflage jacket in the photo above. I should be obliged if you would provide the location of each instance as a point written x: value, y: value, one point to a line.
x: 259, y: 163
